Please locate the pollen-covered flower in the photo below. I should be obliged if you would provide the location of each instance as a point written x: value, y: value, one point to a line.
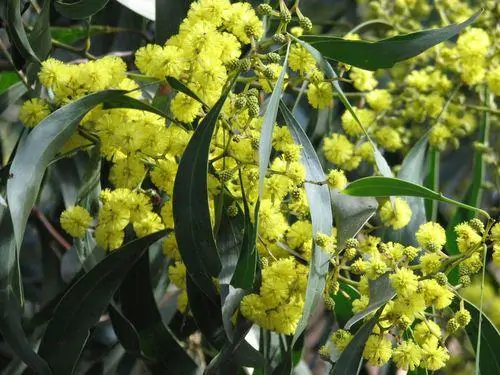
x: 397, y: 214
x: 320, y: 95
x: 407, y: 355
x: 378, y: 350
x: 431, y: 236
x: 76, y: 220
x: 337, y: 179
x: 33, y: 111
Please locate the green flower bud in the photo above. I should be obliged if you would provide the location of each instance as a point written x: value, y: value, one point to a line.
x: 352, y: 242
x: 306, y: 24
x: 441, y: 278
x: 253, y: 110
x: 462, y: 317
x: 245, y: 64
x: 264, y: 9
x: 280, y: 38
x: 273, y: 57
x: 477, y: 225
x: 241, y: 102
x: 452, y: 326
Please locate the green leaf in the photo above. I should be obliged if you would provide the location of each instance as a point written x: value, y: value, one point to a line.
x: 80, y: 9
x: 266, y: 135
x: 11, y: 95
x: 7, y: 79
x: 351, y: 214
x: 489, y: 362
x: 193, y: 229
x: 10, y: 319
x: 413, y: 170
x: 169, y: 15
x: 125, y: 101
x: 432, y: 182
x: 377, y: 186
x: 125, y: 331
x: 387, y: 52
x: 318, y: 197
x: 244, y: 273
x: 381, y: 292
x: 83, y: 304
x: 156, y: 339
x: 38, y: 150
x: 325, y: 66
x: 40, y: 38
x: 16, y: 30
x: 349, y: 362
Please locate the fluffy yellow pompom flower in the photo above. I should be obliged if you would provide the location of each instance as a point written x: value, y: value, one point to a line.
x: 109, y: 237
x: 341, y: 338
x: 300, y: 60
x: 404, y: 282
x: 407, y: 355
x: 495, y: 233
x: 33, y: 111
x: 163, y: 175
x: 398, y: 215
x: 467, y: 238
x: 52, y: 71
x: 337, y: 179
x: 320, y: 95
x: 430, y: 263
x: 127, y: 173
x: 379, y: 100
x: 493, y: 80
x: 473, y: 42
x: 338, y: 149
x: 149, y: 223
x: 378, y: 350
x: 427, y: 332
x: 351, y: 125
x: 431, y: 236
x: 389, y: 138
x: 434, y: 356
x: 364, y: 80
x: 435, y: 294
x: 241, y: 20
x: 76, y: 220
x: 185, y: 108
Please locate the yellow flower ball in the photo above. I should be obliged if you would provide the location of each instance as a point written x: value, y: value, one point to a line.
x: 75, y: 221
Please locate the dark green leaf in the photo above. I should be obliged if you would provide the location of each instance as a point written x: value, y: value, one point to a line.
x: 181, y: 87
x: 16, y: 30
x: 320, y: 207
x: 193, y: 229
x: 38, y: 150
x: 10, y: 323
x: 350, y: 360
x: 489, y: 362
x: 7, y: 79
x: 432, y: 182
x: 125, y: 331
x: 126, y: 101
x: 11, y: 95
x: 139, y: 307
x: 325, y: 66
x: 40, y: 38
x: 413, y: 170
x: 244, y: 274
x: 80, y: 9
x: 384, y: 53
x: 83, y: 304
x: 169, y: 15
x: 266, y: 134
x: 381, y: 292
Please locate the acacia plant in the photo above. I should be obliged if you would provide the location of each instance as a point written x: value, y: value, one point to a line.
x: 249, y: 184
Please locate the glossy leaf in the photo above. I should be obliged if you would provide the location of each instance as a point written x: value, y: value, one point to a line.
x: 126, y: 101
x: 318, y: 197
x: 181, y: 87
x: 266, y: 135
x: 38, y: 150
x: 381, y: 292
x: 387, y: 52
x: 193, y: 229
x: 139, y: 307
x: 83, y: 304
x: 40, y: 38
x: 489, y: 362
x: 11, y: 95
x: 16, y: 30
x: 349, y: 362
x: 80, y: 9
x: 125, y: 331
x: 10, y: 318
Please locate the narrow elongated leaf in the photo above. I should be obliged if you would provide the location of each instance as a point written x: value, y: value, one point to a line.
x: 40, y: 38
x: 318, y: 197
x: 193, y: 229
x: 11, y: 95
x: 169, y: 15
x: 80, y: 9
x: 125, y: 101
x: 325, y: 66
x: 349, y: 362
x: 413, y: 170
x: 83, y: 303
x: 489, y: 363
x: 38, y: 150
x: 156, y: 339
x: 266, y: 135
x: 381, y: 292
x: 387, y: 52
x: 125, y: 331
x: 432, y: 182
x: 16, y: 30
x: 10, y: 323
x: 181, y: 87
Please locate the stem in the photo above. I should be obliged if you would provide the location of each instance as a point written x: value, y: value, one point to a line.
x: 484, y: 109
x: 80, y: 52
x: 479, y: 328
x: 433, y: 183
x: 466, y: 206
